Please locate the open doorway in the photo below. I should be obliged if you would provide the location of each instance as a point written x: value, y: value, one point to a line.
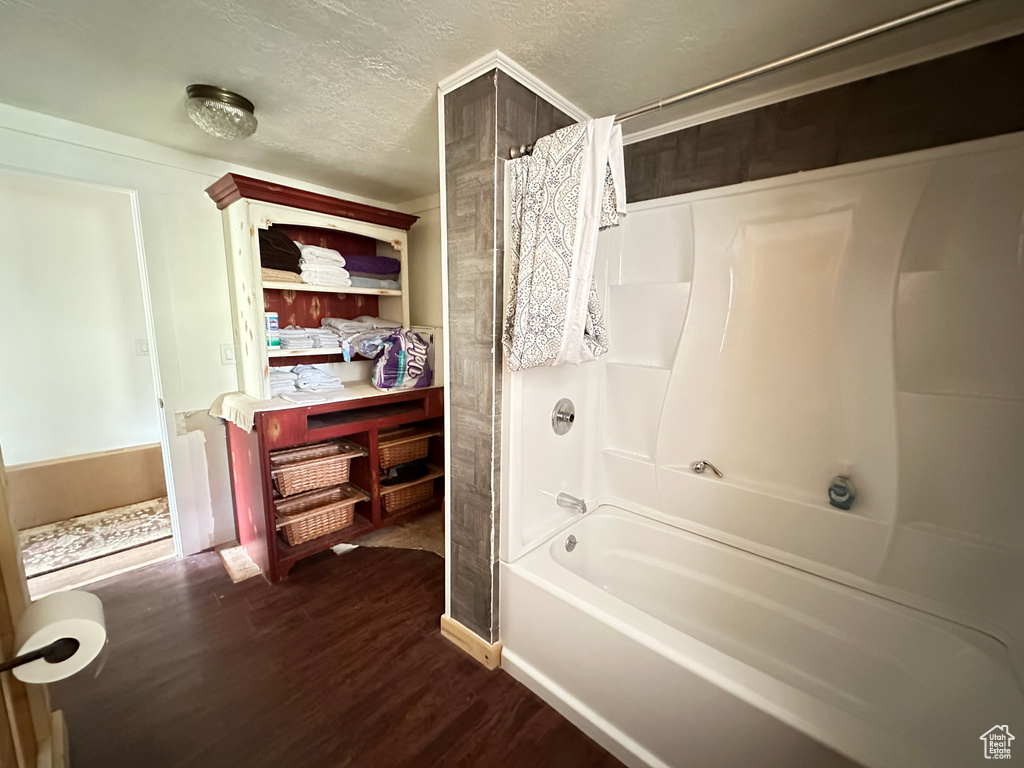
x: 81, y: 423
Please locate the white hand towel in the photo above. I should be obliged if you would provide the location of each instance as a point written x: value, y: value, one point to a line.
x: 318, y: 254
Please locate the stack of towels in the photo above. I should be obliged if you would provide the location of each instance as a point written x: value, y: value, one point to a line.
x: 279, y: 256
x: 285, y: 261
x: 309, y: 378
x: 363, y: 336
x: 294, y: 337
x: 282, y: 380
x: 280, y: 276
x: 324, y: 338
x: 301, y: 378
x: 323, y: 266
x: 374, y: 271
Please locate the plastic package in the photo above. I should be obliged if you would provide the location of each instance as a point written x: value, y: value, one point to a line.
x: 402, y: 363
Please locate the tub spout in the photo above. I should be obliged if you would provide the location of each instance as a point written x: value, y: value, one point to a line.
x: 571, y: 502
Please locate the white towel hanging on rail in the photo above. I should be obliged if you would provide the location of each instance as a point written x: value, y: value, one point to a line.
x: 556, y: 200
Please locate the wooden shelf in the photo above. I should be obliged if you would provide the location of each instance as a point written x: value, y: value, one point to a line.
x: 279, y: 432
x: 289, y: 554
x: 396, y: 436
x: 413, y: 510
x: 353, y: 494
x: 316, y: 351
x: 433, y: 474
x: 330, y: 289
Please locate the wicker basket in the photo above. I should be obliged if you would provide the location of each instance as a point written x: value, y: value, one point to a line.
x: 317, y: 513
x: 313, y: 466
x: 397, y: 446
x: 407, y: 495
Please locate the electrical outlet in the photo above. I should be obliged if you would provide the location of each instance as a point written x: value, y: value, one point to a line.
x: 227, y: 354
x: 142, y: 347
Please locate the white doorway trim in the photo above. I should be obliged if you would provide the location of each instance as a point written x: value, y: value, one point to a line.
x: 154, y: 362
x: 147, y: 303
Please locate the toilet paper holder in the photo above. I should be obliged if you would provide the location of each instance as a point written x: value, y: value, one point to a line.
x: 54, y: 653
x: 57, y: 636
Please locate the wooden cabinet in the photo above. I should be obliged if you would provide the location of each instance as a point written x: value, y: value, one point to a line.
x: 248, y: 205
x: 360, y: 412
x: 360, y: 421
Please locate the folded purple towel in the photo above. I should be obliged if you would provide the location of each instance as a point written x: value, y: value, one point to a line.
x: 378, y: 265
x: 373, y: 275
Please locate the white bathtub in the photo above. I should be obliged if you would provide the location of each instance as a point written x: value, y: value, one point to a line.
x: 672, y: 649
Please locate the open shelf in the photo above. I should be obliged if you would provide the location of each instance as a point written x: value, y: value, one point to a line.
x: 289, y: 554
x: 379, y: 416
x: 433, y: 474
x: 316, y: 351
x: 330, y: 289
x: 294, y: 433
x: 407, y: 513
x: 398, y: 435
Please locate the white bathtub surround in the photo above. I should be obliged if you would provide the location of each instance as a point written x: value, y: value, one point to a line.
x: 851, y: 320
x: 685, y: 651
x: 862, y: 320
x: 556, y: 200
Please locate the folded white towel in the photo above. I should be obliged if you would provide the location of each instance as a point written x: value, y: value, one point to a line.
x: 344, y: 327
x: 313, y: 379
x: 377, y: 322
x: 311, y: 372
x: 293, y: 337
x: 324, y: 268
x: 326, y: 281
x: 316, y: 253
x: 304, y: 398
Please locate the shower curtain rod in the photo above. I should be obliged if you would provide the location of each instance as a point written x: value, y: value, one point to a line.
x: 864, y: 34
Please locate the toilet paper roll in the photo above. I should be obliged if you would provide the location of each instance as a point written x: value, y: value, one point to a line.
x: 77, y: 615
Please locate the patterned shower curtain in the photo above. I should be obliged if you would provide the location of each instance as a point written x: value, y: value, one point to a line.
x: 556, y: 201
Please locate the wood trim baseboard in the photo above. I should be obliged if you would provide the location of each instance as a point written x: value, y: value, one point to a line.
x: 58, y: 489
x: 53, y: 751
x: 488, y: 654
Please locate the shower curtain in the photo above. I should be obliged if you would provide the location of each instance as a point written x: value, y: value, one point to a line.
x: 556, y: 200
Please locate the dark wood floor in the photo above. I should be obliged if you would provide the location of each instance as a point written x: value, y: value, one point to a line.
x: 341, y: 665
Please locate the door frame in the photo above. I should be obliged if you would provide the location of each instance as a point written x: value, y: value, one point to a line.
x: 147, y: 307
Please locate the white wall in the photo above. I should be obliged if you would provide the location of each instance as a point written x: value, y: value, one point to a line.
x: 184, y: 247
x: 72, y: 298
x: 425, y: 292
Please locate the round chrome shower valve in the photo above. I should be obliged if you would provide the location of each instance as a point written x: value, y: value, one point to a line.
x: 563, y: 416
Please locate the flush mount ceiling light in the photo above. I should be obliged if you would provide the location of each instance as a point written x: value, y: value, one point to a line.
x: 220, y: 112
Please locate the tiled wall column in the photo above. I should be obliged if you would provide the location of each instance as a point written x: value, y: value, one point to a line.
x: 482, y: 120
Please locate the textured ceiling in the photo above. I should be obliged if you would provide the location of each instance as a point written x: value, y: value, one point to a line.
x: 345, y: 90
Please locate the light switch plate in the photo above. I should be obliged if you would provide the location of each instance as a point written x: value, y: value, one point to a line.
x: 227, y: 354
x: 142, y: 347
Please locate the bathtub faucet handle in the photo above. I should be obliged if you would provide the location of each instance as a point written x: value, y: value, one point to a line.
x: 700, y: 466
x: 571, y: 502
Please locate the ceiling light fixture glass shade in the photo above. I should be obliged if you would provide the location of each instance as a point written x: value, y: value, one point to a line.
x: 221, y: 113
